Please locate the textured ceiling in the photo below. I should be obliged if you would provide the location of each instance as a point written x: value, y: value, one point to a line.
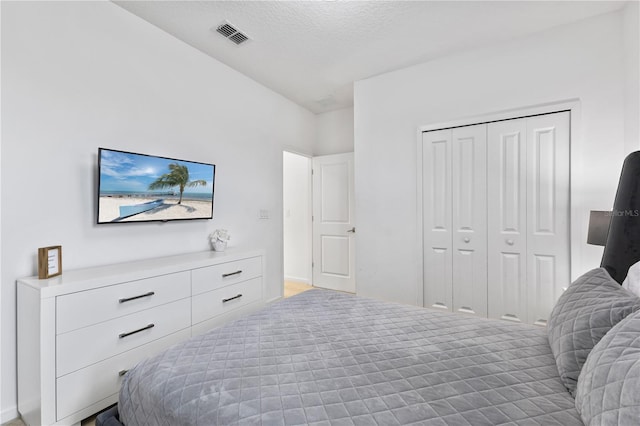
x: 312, y: 51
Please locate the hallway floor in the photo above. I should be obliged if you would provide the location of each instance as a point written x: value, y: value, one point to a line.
x: 292, y: 288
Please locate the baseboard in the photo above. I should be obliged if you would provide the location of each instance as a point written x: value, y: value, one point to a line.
x: 9, y: 414
x: 298, y: 280
x: 273, y: 299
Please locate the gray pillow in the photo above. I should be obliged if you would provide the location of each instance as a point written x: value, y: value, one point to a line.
x: 590, y: 307
x: 608, y: 390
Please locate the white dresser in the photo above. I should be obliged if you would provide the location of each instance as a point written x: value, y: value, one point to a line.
x: 80, y: 332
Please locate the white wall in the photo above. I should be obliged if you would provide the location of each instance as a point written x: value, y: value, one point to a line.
x: 631, y: 34
x: 583, y: 60
x: 297, y: 217
x: 334, y: 132
x: 1, y: 351
x: 79, y: 75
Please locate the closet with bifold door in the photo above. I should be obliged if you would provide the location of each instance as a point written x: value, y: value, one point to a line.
x: 495, y: 212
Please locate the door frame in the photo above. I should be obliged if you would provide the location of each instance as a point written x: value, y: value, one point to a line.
x: 577, y: 215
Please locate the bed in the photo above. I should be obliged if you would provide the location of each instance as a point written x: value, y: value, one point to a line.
x: 325, y: 357
x: 329, y: 358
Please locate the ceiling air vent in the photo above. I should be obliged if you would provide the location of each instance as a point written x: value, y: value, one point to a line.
x: 231, y: 33
x: 238, y: 38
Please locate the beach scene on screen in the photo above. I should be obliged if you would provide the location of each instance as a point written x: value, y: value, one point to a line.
x: 136, y: 187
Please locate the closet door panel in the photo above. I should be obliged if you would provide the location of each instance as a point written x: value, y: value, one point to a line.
x: 510, y: 294
x: 437, y: 222
x: 548, y: 212
x: 469, y: 182
x: 507, y: 219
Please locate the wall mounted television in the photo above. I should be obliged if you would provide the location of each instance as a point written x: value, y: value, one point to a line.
x: 146, y: 188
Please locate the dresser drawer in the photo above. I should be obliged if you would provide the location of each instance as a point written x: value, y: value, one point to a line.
x: 217, y: 302
x: 77, y: 310
x: 213, y: 277
x: 88, y: 345
x: 99, y: 381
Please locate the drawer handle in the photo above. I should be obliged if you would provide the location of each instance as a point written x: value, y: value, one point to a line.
x: 122, y: 372
x: 231, y: 298
x: 128, y: 299
x: 123, y: 335
x: 231, y: 273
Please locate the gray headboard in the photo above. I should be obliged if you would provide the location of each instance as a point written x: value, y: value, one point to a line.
x: 623, y: 241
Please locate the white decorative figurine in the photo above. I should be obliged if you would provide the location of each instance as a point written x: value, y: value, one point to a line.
x: 219, y: 239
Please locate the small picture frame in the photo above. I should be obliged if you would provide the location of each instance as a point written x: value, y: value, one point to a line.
x: 49, y: 262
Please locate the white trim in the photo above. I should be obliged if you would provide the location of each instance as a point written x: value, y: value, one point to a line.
x: 419, y: 212
x: 575, y: 154
x: 9, y: 414
x: 509, y: 114
x: 297, y: 280
x: 273, y: 299
x: 3, y: 415
x: 310, y: 215
x: 295, y: 150
x: 576, y: 192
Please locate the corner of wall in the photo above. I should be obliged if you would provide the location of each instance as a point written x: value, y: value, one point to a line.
x: 178, y: 103
x: 334, y: 132
x: 631, y: 45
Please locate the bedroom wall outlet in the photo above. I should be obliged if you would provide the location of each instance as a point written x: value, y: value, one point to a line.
x: 263, y: 214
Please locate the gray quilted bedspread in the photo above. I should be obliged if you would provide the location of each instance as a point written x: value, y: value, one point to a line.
x: 326, y: 358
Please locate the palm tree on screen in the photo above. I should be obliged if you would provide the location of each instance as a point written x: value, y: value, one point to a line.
x: 177, y: 176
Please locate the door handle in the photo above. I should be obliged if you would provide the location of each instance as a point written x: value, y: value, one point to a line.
x: 352, y: 230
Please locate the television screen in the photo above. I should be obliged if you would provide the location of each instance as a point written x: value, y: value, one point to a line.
x: 143, y: 188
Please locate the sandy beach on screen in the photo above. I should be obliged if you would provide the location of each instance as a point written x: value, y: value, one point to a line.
x: 189, y: 209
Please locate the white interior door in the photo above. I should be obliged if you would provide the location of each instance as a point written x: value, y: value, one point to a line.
x: 548, y: 242
x: 469, y: 180
x: 455, y: 219
x: 333, y: 222
x: 529, y: 245
x: 437, y: 220
x: 507, y: 221
x: 495, y: 212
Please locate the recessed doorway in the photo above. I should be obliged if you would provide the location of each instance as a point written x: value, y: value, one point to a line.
x: 297, y: 226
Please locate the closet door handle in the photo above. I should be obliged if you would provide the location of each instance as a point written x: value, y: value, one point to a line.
x: 123, y: 335
x: 231, y: 273
x: 466, y: 239
x: 510, y: 242
x: 231, y: 298
x: 128, y: 299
